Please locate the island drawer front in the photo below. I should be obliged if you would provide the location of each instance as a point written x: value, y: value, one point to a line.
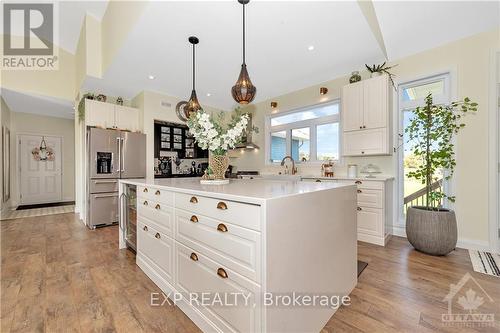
x: 370, y: 221
x: 153, y: 193
x: 245, y: 215
x: 233, y: 246
x: 204, y: 275
x: 365, y: 184
x: 159, y: 214
x: 370, y: 198
x: 157, y: 247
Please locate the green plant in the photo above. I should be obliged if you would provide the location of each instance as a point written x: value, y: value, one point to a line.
x: 81, y: 105
x: 430, y: 133
x: 383, y: 68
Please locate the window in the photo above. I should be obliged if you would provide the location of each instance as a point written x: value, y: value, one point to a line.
x: 308, y: 135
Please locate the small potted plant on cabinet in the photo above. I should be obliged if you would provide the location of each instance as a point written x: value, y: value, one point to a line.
x: 431, y: 228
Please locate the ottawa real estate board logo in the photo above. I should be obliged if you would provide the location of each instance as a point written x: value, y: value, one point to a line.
x: 29, y: 36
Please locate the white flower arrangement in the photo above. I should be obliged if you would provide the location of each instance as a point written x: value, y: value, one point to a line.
x: 210, y: 133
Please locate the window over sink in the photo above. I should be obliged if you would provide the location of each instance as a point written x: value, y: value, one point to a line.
x: 308, y: 134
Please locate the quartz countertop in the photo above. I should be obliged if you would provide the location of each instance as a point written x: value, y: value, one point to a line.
x: 255, y: 191
x: 336, y: 177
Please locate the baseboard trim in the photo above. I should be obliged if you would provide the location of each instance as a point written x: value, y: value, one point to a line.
x: 462, y: 243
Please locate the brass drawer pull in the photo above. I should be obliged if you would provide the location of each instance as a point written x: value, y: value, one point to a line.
x: 222, y: 227
x: 222, y: 273
x: 358, y: 182
x: 193, y: 219
x: 145, y: 190
x: 145, y: 228
x: 157, y: 206
x: 359, y: 208
x: 193, y: 200
x: 359, y: 191
x: 194, y: 256
x: 157, y: 236
x: 318, y: 180
x: 221, y: 205
x: 157, y: 192
x: 145, y: 203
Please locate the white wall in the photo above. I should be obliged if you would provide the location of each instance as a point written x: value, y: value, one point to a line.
x: 26, y: 123
x: 5, y: 116
x: 468, y: 59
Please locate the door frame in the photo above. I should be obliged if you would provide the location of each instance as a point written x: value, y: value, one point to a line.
x: 18, y: 160
x: 494, y: 147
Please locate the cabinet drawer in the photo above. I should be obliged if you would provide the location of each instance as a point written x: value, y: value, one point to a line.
x: 197, y: 273
x: 151, y: 193
x: 235, y: 247
x: 370, y: 198
x: 365, y: 184
x: 157, y: 248
x: 103, y: 208
x: 241, y: 214
x: 366, y: 142
x: 370, y: 221
x: 160, y: 215
x: 103, y: 185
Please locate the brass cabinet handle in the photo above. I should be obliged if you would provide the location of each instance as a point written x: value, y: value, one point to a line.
x: 222, y: 273
x: 157, y: 206
x: 362, y: 152
x: 157, y: 192
x: 145, y: 190
x: 193, y: 200
x: 145, y: 228
x: 359, y: 191
x: 145, y: 203
x: 157, y: 236
x: 358, y: 182
x: 359, y: 208
x: 222, y: 227
x: 193, y: 256
x: 193, y: 219
x: 318, y: 180
x: 221, y: 205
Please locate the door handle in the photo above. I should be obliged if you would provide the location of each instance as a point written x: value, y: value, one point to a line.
x: 105, y: 182
x: 122, y: 163
x: 106, y: 196
x: 119, y: 154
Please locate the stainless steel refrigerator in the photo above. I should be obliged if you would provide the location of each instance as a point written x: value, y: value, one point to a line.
x: 112, y: 155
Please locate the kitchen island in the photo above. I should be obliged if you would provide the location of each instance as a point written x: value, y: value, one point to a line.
x: 233, y: 256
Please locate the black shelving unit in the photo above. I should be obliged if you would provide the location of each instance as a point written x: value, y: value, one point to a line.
x: 175, y: 137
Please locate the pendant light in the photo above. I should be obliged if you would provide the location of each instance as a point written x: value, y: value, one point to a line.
x: 193, y: 105
x: 243, y: 91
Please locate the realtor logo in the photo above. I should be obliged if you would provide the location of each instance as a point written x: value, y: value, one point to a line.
x: 464, y: 305
x: 29, y: 36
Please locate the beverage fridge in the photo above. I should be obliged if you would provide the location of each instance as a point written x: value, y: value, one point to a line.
x: 112, y: 155
x: 128, y: 222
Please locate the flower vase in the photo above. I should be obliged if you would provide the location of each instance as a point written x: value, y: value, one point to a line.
x: 218, y: 165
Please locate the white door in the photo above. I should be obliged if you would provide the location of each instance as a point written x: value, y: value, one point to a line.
x: 352, y: 106
x: 40, y: 181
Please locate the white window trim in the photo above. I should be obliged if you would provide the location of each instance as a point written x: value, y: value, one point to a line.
x: 311, y: 123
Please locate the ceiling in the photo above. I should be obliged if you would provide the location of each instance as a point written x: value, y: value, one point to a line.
x: 278, y: 37
x: 39, y: 105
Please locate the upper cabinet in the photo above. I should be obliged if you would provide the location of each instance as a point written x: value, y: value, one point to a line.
x: 366, y: 117
x: 107, y: 115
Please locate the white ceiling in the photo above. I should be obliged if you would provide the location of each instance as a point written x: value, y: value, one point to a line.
x: 37, y: 104
x: 278, y: 36
x: 70, y: 19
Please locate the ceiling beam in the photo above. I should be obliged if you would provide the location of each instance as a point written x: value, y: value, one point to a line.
x: 368, y: 11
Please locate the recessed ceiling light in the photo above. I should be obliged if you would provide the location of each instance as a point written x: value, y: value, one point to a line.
x: 151, y: 77
x: 209, y: 94
x: 311, y: 47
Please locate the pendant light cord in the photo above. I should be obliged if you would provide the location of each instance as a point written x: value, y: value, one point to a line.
x: 244, y: 34
x: 193, y: 66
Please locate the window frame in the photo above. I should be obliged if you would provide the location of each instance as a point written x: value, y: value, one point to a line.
x: 311, y: 124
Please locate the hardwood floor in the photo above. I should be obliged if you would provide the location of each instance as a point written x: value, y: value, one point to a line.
x: 58, y: 276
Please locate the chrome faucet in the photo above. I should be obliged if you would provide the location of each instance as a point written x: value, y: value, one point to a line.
x: 294, y: 169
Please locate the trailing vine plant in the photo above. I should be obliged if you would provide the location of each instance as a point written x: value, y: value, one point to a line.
x: 431, y: 133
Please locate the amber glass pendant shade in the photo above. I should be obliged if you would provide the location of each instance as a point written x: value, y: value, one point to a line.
x: 193, y: 105
x: 243, y: 90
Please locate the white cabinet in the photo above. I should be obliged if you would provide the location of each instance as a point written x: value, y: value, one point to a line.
x: 366, y: 117
x: 107, y: 115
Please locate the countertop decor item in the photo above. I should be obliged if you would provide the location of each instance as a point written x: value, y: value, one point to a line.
x: 355, y: 77
x: 370, y: 169
x: 212, y: 133
x: 352, y: 170
x: 244, y: 91
x: 377, y: 70
x: 327, y: 169
x: 431, y: 228
x: 193, y: 106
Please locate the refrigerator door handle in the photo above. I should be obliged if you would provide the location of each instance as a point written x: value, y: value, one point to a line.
x: 122, y: 153
x: 119, y: 154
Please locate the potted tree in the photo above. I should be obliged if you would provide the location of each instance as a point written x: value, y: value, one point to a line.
x: 431, y: 228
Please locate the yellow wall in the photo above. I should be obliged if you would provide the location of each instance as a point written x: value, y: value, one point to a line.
x: 468, y: 59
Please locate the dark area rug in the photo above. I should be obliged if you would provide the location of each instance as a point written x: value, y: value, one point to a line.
x: 361, y: 267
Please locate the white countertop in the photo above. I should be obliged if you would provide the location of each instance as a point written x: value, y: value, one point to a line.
x: 336, y: 177
x: 252, y: 190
